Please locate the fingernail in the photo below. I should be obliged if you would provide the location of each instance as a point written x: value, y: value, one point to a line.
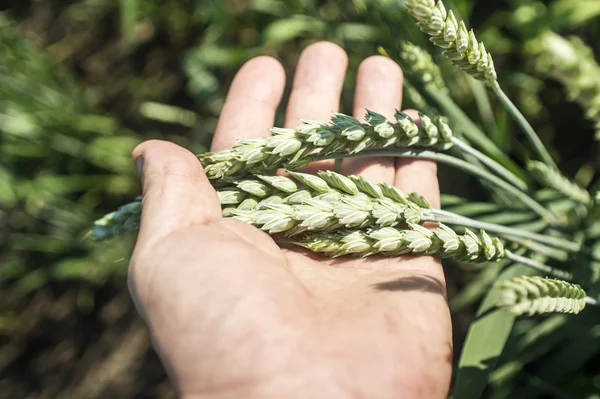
x: 139, y: 165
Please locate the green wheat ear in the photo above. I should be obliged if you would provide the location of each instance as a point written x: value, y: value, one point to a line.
x: 552, y: 178
x: 293, y: 149
x: 536, y: 295
x: 126, y: 218
x: 418, y: 63
x: 415, y: 240
x: 460, y: 45
x: 572, y: 63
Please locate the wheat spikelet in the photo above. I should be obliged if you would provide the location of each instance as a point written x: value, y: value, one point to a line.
x: 460, y: 45
x: 293, y: 148
x: 536, y: 295
x: 552, y: 178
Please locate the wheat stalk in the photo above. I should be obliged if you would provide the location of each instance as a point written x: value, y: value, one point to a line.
x: 460, y: 45
x: 293, y: 148
x: 535, y: 295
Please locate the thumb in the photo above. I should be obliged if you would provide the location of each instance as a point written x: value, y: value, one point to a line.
x: 176, y: 192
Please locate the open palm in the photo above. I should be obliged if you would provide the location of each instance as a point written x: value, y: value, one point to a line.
x: 234, y: 315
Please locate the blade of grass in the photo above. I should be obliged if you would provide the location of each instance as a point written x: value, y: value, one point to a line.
x: 128, y: 10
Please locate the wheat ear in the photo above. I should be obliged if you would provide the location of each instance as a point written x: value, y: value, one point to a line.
x: 460, y: 45
x: 389, y: 241
x: 418, y: 64
x: 293, y: 148
x: 552, y: 178
x: 534, y: 295
x: 126, y: 218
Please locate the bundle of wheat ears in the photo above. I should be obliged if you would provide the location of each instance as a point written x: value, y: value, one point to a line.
x: 338, y: 215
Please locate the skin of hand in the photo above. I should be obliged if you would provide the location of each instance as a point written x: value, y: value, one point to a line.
x: 233, y: 315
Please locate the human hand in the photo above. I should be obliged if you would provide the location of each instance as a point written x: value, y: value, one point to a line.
x: 232, y: 315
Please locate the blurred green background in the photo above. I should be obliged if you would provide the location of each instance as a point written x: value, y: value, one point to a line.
x: 83, y: 81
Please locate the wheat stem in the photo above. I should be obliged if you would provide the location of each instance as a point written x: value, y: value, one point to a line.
x: 490, y: 163
x: 525, y: 126
x: 539, y: 266
x: 462, y: 123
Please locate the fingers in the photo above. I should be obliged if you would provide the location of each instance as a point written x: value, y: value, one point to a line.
x: 249, y: 110
x: 176, y: 192
x: 317, y: 87
x: 317, y: 84
x: 418, y: 175
x: 378, y: 88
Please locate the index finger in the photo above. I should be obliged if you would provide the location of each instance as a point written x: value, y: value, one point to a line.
x: 249, y: 110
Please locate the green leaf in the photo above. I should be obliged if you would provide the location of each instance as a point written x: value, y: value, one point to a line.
x: 292, y: 28
x: 113, y: 153
x: 537, y: 342
x: 357, y: 31
x: 573, y: 13
x: 485, y: 341
x: 582, y: 345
